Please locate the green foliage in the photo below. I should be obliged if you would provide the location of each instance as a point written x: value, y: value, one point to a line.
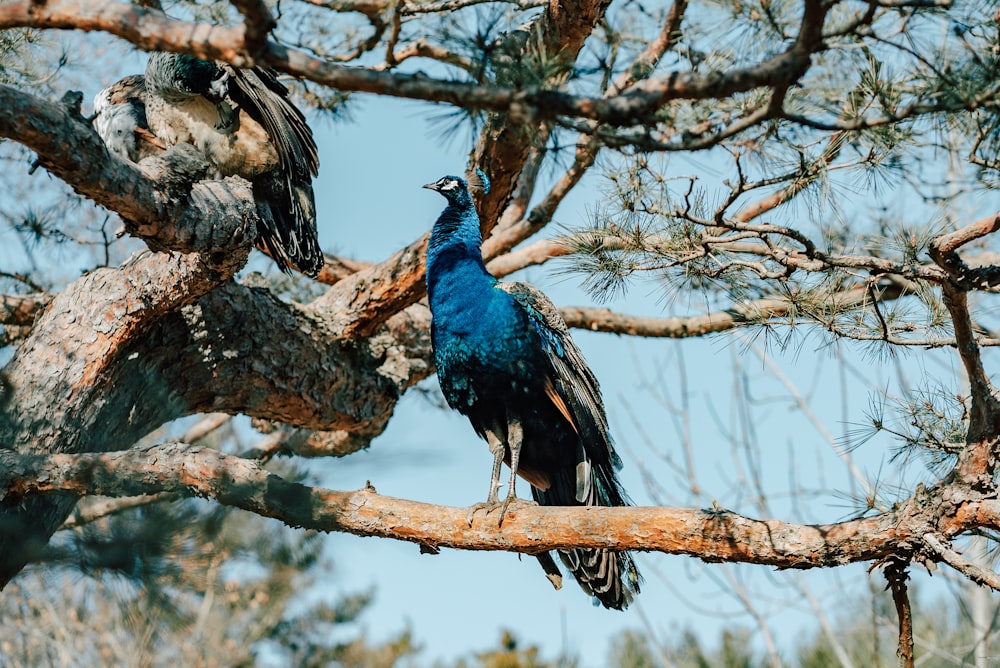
x: 634, y: 650
x: 868, y: 160
x: 510, y: 653
x: 180, y: 583
x: 22, y: 54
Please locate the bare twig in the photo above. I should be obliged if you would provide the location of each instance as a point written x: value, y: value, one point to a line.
x: 978, y: 574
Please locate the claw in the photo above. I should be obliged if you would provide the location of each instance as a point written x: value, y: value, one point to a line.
x: 488, y: 506
x: 514, y: 503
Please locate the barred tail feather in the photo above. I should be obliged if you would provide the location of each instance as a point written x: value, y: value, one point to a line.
x: 611, y: 577
x: 608, y: 575
x: 286, y: 210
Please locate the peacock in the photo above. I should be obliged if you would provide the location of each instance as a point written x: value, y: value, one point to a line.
x: 505, y: 359
x: 245, y: 124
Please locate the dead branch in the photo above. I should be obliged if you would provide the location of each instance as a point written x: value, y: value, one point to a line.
x: 976, y: 573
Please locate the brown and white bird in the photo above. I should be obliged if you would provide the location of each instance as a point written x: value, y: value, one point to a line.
x: 245, y: 124
x: 120, y: 119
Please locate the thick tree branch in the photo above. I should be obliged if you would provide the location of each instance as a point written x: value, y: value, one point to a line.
x: 221, y: 354
x: 152, y: 30
x: 712, y: 535
x: 360, y: 303
x: 146, y: 27
x: 75, y: 384
x: 160, y: 201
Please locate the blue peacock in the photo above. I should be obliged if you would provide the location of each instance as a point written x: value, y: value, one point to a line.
x: 505, y: 359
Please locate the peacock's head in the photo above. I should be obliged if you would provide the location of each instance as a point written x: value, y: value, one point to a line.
x: 456, y: 189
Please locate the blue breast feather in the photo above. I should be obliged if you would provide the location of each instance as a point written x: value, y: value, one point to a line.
x: 483, y: 337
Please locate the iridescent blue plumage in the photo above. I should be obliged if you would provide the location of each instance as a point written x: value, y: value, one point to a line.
x: 505, y: 359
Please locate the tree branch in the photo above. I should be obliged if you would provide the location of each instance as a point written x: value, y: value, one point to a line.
x: 978, y: 574
x: 712, y: 535
x: 146, y: 27
x: 943, y: 250
x: 896, y: 575
x: 362, y: 302
x: 152, y: 30
x: 22, y: 309
x: 258, y: 23
x: 160, y: 201
x: 605, y: 320
x: 76, y: 384
x: 221, y: 355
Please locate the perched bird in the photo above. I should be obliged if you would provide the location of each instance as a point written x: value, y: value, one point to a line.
x: 245, y: 124
x: 120, y: 119
x: 505, y: 359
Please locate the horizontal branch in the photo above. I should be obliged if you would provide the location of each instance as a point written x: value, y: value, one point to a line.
x: 750, y: 312
x: 712, y: 535
x: 146, y: 27
x: 152, y: 30
x: 606, y: 320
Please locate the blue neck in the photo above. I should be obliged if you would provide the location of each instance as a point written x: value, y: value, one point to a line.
x: 454, y: 255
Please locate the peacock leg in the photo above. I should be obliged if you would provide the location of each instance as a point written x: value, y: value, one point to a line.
x: 515, y: 437
x: 492, y: 500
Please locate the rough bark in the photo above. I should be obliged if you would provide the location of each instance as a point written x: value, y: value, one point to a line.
x: 563, y: 27
x: 711, y: 534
